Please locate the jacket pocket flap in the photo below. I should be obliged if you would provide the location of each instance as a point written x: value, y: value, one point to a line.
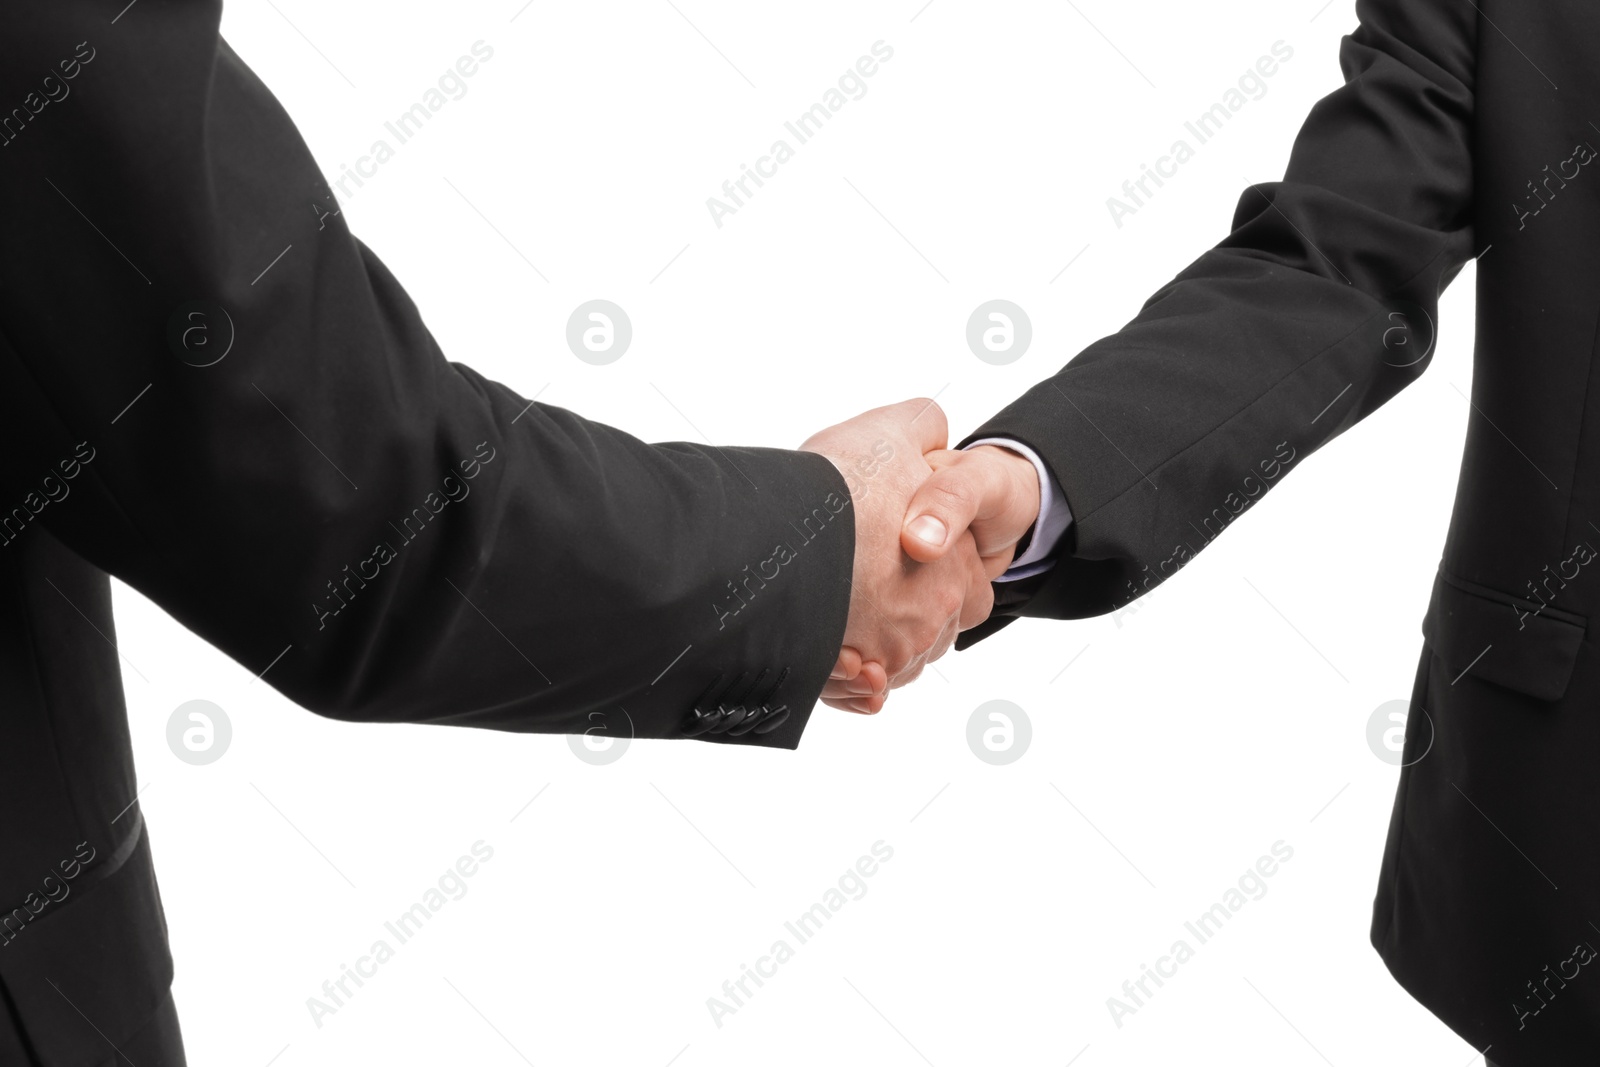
x: 1520, y: 644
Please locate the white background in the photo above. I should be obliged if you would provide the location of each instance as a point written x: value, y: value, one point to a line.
x: 1227, y: 713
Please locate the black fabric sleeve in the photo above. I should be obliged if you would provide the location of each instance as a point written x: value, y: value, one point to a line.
x: 398, y: 538
x: 1316, y: 309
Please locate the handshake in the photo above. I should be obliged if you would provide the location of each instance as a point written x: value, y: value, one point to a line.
x: 933, y: 528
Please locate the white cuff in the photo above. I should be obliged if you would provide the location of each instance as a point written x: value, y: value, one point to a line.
x: 1054, y: 515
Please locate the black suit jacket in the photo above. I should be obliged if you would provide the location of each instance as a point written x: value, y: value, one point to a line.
x: 1464, y: 129
x: 211, y: 390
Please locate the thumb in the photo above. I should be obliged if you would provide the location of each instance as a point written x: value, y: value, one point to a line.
x: 940, y: 511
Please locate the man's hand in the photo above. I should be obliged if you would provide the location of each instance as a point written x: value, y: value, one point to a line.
x: 903, y: 614
x: 990, y: 491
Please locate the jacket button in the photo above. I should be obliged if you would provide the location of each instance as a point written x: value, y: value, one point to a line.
x: 774, y: 719
x: 701, y: 721
x: 731, y: 717
x: 751, y: 721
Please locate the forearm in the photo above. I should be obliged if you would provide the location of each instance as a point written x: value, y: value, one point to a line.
x: 399, y: 538
x: 1280, y: 338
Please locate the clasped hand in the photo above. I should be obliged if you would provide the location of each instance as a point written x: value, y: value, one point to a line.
x: 933, y: 528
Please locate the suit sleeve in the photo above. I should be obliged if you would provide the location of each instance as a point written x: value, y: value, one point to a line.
x: 1315, y: 310
x: 263, y: 437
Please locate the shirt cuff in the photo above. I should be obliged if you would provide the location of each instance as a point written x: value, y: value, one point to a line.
x: 1054, y: 515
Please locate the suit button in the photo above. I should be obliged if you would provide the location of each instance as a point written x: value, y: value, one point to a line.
x: 732, y: 717
x: 702, y: 721
x: 775, y: 718
x: 751, y: 721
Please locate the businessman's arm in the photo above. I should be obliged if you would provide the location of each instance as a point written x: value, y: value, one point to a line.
x: 394, y: 536
x: 1309, y: 316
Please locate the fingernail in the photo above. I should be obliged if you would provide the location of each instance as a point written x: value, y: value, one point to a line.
x: 859, y: 687
x: 837, y: 675
x: 928, y: 529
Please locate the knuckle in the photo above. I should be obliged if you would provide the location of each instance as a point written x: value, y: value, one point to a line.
x: 897, y: 659
x: 949, y: 490
x: 926, y: 408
